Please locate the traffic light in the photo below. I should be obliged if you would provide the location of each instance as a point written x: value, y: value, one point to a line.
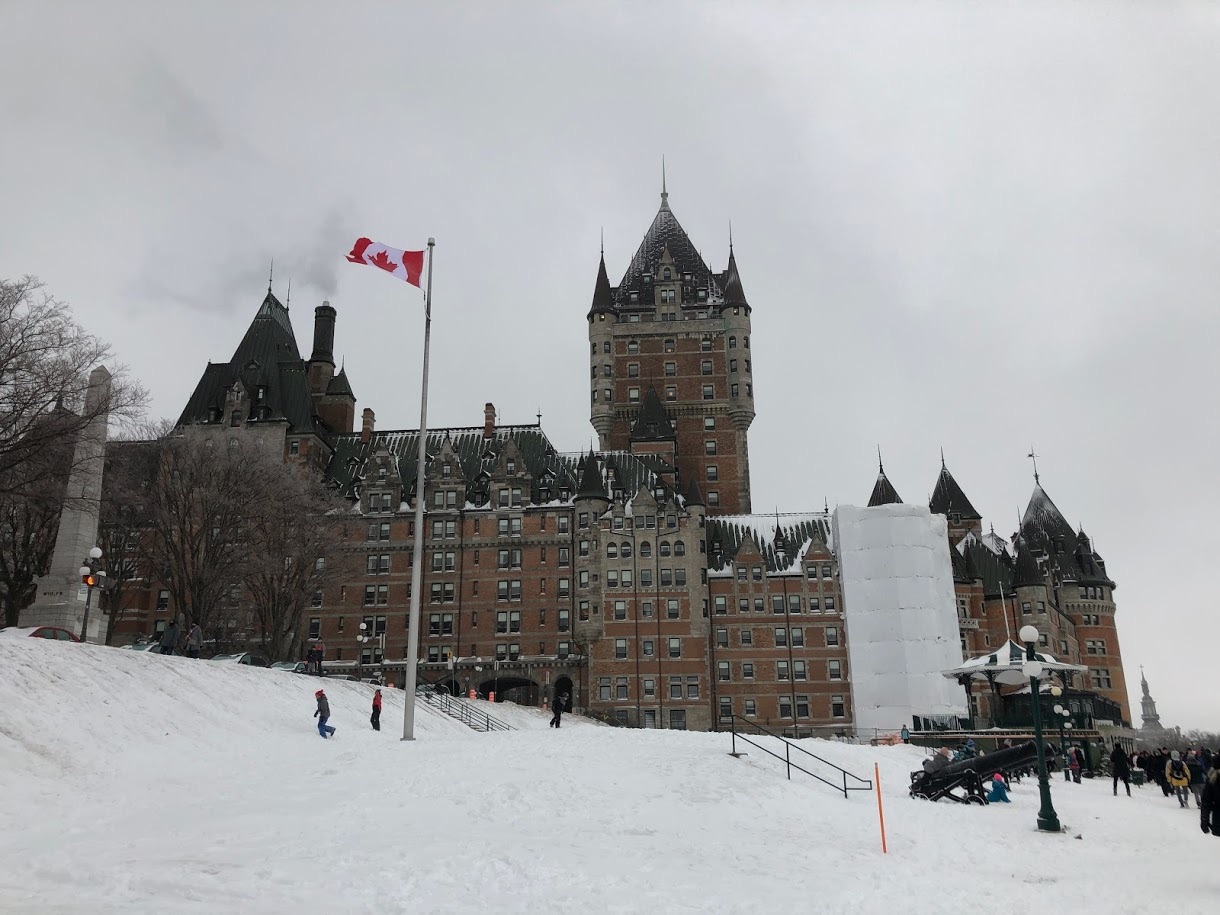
x: 89, y: 580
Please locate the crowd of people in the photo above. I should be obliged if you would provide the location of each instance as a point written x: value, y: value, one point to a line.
x: 1182, y: 775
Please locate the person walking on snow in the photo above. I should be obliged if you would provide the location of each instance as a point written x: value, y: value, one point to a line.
x: 1198, y: 775
x: 323, y: 712
x: 169, y: 638
x: 1209, y: 808
x: 375, y: 719
x: 194, y: 641
x: 1120, y: 768
x: 560, y: 703
x: 1178, y: 777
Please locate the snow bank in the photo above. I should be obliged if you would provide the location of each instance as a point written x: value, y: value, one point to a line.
x: 135, y: 783
x: 900, y: 614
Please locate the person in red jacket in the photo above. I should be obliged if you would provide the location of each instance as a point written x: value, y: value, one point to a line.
x: 375, y: 720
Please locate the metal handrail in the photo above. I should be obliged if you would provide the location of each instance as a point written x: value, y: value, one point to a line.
x: 455, y: 708
x: 865, y: 784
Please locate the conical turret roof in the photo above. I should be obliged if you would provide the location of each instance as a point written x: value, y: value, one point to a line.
x: 733, y: 292
x: 652, y: 424
x: 884, y: 492
x: 1025, y: 569
x: 591, y: 484
x: 948, y: 498
x: 693, y: 496
x: 340, y: 385
x: 603, y: 296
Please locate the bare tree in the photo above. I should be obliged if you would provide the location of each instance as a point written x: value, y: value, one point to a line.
x: 45, y: 361
x: 130, y: 467
x: 29, y: 523
x: 196, y: 510
x: 300, y: 533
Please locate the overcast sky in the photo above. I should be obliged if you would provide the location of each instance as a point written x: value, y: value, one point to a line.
x: 976, y: 226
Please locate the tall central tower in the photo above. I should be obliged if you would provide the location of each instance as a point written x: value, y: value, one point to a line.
x: 674, y: 326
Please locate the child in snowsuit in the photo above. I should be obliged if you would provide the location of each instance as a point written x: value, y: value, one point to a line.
x: 999, y: 790
x: 323, y: 712
x: 375, y: 719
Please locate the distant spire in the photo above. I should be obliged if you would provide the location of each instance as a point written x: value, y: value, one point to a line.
x: 288, y: 299
x: 730, y: 236
x: 270, y: 276
x: 942, y: 457
x: 603, y: 232
x: 540, y: 416
x: 664, y: 189
x: 1033, y: 457
x: 880, y: 466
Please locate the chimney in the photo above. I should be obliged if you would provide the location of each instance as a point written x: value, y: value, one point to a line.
x: 323, y: 334
x: 366, y: 425
x: 489, y: 420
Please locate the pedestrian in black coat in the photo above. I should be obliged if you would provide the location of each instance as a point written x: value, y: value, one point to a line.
x: 1121, y: 769
x: 558, y: 709
x: 1209, y: 808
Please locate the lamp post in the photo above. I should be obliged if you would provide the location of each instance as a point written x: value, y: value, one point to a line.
x: 364, y: 637
x: 1048, y: 820
x: 91, y: 577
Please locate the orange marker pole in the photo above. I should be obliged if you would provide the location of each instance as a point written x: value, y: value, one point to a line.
x: 880, y: 811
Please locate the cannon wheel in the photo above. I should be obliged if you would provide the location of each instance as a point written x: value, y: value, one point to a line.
x: 920, y: 795
x: 976, y: 799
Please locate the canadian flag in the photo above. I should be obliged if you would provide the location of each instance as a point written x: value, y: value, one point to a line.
x: 406, y: 265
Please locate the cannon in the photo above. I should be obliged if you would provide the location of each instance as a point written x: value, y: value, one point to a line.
x: 963, y: 781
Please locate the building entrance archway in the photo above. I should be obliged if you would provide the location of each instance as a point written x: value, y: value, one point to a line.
x: 511, y: 688
x: 563, y: 685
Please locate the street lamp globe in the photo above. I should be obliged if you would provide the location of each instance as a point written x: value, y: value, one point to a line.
x: 1029, y: 634
x: 95, y: 553
x: 1058, y: 708
x: 85, y: 570
x: 1032, y: 669
x: 1056, y: 691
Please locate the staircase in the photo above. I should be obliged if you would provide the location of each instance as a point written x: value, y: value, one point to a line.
x: 829, y: 774
x: 461, y: 710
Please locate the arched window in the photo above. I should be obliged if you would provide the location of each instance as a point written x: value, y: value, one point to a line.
x: 732, y: 343
x: 667, y: 274
x: 625, y: 550
x: 612, y: 550
x: 745, y: 341
x: 664, y: 547
x: 679, y: 548
x: 645, y: 548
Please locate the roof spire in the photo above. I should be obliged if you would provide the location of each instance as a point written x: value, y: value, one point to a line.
x: 730, y: 237
x: 270, y: 275
x: 1033, y: 457
x: 942, y: 458
x: 880, y: 466
x: 288, y: 300
x: 664, y: 190
x: 603, y: 233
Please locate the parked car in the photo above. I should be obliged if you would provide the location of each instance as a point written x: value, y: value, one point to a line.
x: 246, y: 657
x: 342, y: 677
x: 297, y: 667
x: 38, y: 632
x: 144, y: 646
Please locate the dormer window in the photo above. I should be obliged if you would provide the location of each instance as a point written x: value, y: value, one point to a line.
x: 702, y: 295
x: 380, y: 473
x: 235, y: 418
x: 511, y: 466
x: 262, y: 392
x: 635, y: 296
x: 688, y: 277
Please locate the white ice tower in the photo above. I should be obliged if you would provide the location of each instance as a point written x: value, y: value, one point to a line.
x: 900, y: 615
x: 57, y: 602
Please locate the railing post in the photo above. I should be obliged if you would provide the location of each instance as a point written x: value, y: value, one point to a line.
x: 788, y: 758
x: 733, y: 728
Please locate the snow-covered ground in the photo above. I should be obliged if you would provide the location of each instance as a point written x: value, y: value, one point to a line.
x: 136, y: 783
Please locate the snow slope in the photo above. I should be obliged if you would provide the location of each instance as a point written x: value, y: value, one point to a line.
x: 131, y: 782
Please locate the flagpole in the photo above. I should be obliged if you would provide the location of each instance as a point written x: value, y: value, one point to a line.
x: 417, y: 558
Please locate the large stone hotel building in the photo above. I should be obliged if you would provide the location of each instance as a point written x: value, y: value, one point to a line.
x: 634, y: 577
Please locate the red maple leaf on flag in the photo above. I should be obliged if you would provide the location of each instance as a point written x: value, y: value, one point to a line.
x: 382, y: 259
